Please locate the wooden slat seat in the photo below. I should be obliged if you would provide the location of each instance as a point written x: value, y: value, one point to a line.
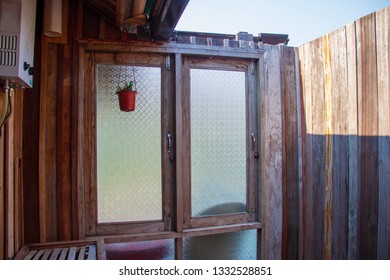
x: 66, y: 250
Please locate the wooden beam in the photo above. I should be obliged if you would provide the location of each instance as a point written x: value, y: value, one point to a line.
x: 271, y: 151
x: 181, y: 164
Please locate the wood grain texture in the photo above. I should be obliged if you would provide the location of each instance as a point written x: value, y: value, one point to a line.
x: 64, y: 217
x: 368, y: 135
x: 290, y: 240
x: 339, y: 228
x: 353, y: 152
x: 2, y: 187
x: 345, y: 146
x: 383, y: 67
x: 271, y: 156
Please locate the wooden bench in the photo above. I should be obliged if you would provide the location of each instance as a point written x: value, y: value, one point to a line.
x: 66, y: 250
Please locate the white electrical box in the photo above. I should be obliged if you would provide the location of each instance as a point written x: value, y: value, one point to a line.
x: 17, y: 34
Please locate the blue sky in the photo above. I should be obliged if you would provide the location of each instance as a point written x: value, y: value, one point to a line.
x: 302, y: 20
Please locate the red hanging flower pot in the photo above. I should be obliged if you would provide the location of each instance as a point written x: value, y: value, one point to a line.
x: 127, y: 97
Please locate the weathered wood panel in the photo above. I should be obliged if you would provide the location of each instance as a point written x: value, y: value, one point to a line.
x: 345, y: 142
x: 64, y: 199
x: 383, y: 60
x: 47, y: 144
x: 290, y: 155
x: 10, y: 178
x: 339, y: 210
x: 2, y: 167
x: 353, y: 152
x: 18, y: 142
x: 314, y: 145
x: 368, y: 135
x: 271, y: 155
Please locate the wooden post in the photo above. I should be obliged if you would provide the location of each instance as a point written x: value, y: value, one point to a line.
x: 271, y: 155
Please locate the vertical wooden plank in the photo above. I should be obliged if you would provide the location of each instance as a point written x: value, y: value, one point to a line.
x: 63, y: 143
x: 368, y: 135
x: 2, y: 204
x: 383, y: 60
x: 316, y: 172
x: 271, y: 156
x: 301, y: 127
x: 9, y: 194
x: 329, y: 164
x: 252, y: 93
x: 88, y: 174
x: 78, y: 182
x: 307, y: 160
x: 77, y: 196
x: 18, y: 141
x: 180, y: 146
x: 168, y: 113
x: 290, y: 155
x: 41, y: 145
x: 338, y: 53
x: 352, y: 131
x: 47, y: 144
x: 30, y: 145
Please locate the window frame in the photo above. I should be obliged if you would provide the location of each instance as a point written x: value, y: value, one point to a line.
x: 171, y: 58
x: 92, y: 226
x: 225, y: 64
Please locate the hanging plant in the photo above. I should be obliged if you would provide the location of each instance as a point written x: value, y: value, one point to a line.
x: 126, y: 96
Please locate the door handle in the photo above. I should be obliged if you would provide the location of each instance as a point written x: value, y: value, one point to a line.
x: 254, y: 150
x: 170, y: 146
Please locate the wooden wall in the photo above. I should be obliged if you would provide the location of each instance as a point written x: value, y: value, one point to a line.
x: 345, y: 129
x: 11, y: 236
x: 324, y: 127
x: 325, y: 142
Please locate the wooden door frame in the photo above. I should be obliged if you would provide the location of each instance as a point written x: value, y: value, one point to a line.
x: 83, y: 144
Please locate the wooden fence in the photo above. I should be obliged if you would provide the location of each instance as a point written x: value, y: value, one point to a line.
x: 336, y: 176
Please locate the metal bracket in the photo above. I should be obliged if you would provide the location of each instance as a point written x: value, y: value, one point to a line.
x: 168, y: 63
x: 170, y: 146
x: 252, y: 67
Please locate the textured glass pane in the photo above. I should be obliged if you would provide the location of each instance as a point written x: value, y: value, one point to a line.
x: 144, y: 250
x: 129, y: 146
x: 240, y: 245
x: 218, y: 141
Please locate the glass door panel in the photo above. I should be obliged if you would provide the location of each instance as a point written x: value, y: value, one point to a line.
x: 218, y: 142
x: 129, y: 175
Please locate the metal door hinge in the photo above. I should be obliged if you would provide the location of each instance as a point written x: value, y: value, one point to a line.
x: 168, y: 62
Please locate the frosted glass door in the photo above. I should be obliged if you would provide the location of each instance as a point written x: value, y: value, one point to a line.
x: 129, y: 146
x: 218, y: 142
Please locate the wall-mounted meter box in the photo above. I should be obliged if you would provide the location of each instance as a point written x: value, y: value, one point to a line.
x: 17, y: 33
